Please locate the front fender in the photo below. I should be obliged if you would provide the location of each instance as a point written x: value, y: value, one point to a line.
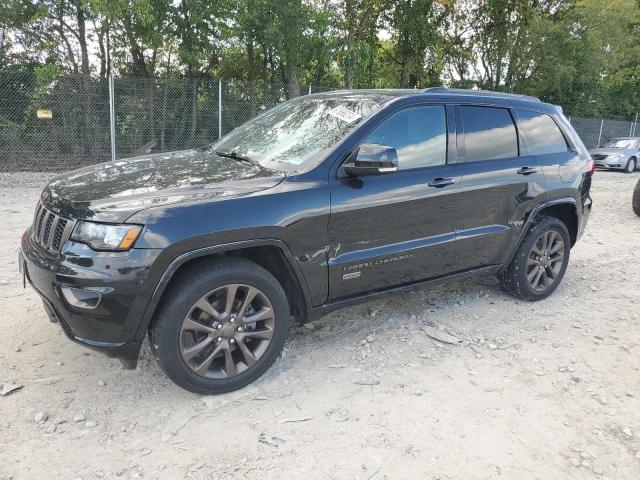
x: 168, y: 264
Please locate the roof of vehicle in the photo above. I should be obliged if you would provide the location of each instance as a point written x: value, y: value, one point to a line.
x: 390, y: 92
x: 479, y: 93
x: 484, y: 95
x: 624, y: 138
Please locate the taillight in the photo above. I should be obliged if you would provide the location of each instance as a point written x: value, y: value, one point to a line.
x: 591, y: 167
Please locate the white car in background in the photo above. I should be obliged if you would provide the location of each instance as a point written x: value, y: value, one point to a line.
x: 620, y: 153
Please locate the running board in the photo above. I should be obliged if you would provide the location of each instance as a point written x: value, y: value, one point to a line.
x: 322, y: 310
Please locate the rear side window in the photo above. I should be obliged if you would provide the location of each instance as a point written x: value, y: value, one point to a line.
x: 489, y: 133
x: 540, y: 133
x: 419, y: 135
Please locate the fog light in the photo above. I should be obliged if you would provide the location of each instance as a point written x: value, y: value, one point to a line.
x: 80, y: 298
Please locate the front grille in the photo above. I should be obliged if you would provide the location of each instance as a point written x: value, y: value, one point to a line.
x: 50, y: 230
x: 598, y: 156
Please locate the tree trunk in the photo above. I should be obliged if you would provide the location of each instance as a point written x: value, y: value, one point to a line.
x: 274, y: 69
x: 251, y: 60
x: 349, y: 44
x: 163, y: 121
x: 349, y: 62
x: 60, y: 29
x: 194, y: 108
x: 348, y: 75
x: 101, y: 51
x: 251, y: 74
x: 108, y: 38
x: 82, y: 39
x: 265, y: 63
x: 152, y: 109
x: 137, y: 55
x: 292, y: 84
x: 403, y: 73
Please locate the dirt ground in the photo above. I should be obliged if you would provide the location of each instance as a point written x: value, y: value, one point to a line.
x: 537, y: 391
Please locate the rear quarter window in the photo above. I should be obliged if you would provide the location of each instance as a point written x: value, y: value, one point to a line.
x: 541, y: 134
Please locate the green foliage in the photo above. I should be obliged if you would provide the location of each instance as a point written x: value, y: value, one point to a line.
x: 582, y: 54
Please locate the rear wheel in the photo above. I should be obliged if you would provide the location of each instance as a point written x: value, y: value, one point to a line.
x: 631, y: 165
x: 222, y: 326
x: 540, y: 262
x: 636, y: 199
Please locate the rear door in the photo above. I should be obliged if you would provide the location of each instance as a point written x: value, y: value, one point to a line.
x: 397, y: 228
x: 499, y: 184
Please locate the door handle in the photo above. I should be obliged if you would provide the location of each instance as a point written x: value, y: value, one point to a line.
x: 527, y: 170
x: 441, y: 182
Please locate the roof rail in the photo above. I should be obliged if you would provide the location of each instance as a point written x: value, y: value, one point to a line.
x: 481, y: 93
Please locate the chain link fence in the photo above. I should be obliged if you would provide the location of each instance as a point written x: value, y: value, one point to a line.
x: 595, y: 132
x: 65, y: 123
x: 62, y: 123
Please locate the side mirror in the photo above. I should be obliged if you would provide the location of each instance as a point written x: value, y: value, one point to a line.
x: 372, y: 159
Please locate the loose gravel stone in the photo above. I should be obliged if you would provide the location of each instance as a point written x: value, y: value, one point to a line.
x: 40, y: 417
x: 79, y: 418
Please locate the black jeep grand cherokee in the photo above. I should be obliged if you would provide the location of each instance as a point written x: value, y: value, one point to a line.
x: 318, y: 203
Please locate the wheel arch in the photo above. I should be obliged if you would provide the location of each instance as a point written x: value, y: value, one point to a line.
x: 271, y: 254
x: 564, y: 209
x: 567, y: 214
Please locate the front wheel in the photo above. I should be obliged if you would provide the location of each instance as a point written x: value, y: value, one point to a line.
x: 631, y: 165
x: 540, y: 262
x: 221, y: 326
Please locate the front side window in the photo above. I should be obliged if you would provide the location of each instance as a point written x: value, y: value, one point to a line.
x: 541, y: 133
x: 489, y: 133
x: 419, y: 135
x: 299, y: 129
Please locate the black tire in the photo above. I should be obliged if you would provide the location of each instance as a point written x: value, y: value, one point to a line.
x: 514, y: 277
x: 636, y: 199
x: 631, y: 165
x: 185, y: 291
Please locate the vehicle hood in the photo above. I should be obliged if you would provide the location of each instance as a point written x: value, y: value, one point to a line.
x: 112, y: 192
x: 610, y: 151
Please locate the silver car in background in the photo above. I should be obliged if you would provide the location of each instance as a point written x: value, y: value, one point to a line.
x: 620, y: 153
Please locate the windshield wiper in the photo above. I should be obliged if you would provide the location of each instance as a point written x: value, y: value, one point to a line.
x: 240, y: 158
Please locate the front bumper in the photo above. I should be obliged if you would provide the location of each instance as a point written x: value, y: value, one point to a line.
x: 108, y: 325
x: 611, y: 164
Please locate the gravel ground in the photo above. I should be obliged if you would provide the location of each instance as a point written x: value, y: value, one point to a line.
x: 536, y: 391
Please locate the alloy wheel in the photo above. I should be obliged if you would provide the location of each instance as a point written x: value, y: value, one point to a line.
x: 545, y: 261
x: 631, y: 166
x: 226, y: 331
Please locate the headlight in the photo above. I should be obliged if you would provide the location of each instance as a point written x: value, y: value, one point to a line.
x: 616, y: 156
x: 102, y: 236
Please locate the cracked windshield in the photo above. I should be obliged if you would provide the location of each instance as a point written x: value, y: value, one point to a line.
x: 293, y: 132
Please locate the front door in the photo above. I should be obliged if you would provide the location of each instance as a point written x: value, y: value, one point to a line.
x: 396, y: 228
